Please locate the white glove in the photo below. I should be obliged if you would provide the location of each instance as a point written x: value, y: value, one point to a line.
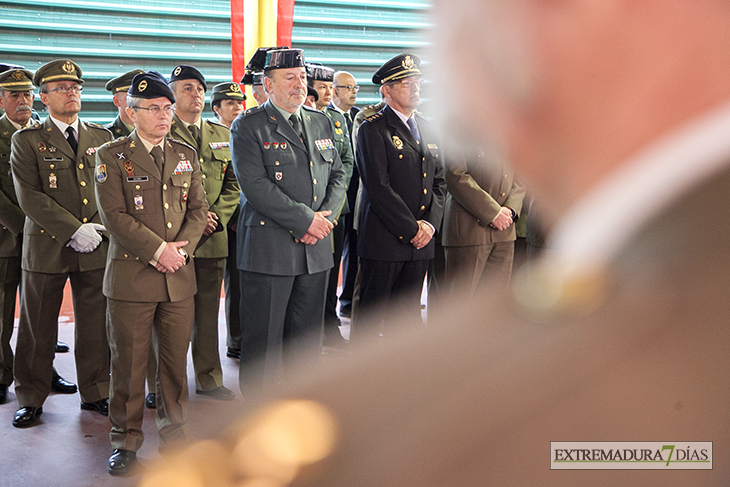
x: 87, y: 238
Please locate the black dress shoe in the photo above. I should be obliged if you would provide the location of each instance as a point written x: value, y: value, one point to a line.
x: 101, y: 406
x: 61, y: 385
x: 3, y: 393
x: 121, y: 462
x: 151, y: 401
x: 220, y: 393
x: 61, y: 347
x: 234, y: 353
x: 26, y: 416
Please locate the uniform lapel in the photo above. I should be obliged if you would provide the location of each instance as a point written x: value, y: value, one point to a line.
x: 283, y: 127
x: 181, y: 132
x: 172, y: 159
x: 7, y: 129
x: 138, y: 153
x: 401, y: 130
x: 55, y: 139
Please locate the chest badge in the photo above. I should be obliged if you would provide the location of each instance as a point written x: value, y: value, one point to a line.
x: 41, y: 147
x: 120, y: 156
x: 51, y: 149
x: 397, y: 142
x: 279, y: 175
x: 138, y: 202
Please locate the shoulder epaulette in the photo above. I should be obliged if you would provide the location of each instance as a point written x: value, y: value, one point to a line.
x: 421, y: 115
x: 94, y: 125
x: 115, y: 142
x: 216, y: 123
x: 35, y: 126
x: 170, y: 140
x: 372, y: 118
x: 252, y: 110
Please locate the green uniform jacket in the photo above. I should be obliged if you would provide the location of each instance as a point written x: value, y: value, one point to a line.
x: 283, y: 182
x: 117, y: 128
x: 478, y: 189
x: 55, y: 190
x: 219, y: 181
x: 344, y: 148
x: 12, y: 217
x: 142, y: 208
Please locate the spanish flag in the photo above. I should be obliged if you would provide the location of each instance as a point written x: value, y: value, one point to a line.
x: 258, y: 23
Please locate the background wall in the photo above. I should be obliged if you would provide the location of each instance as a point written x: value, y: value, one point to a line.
x: 109, y: 38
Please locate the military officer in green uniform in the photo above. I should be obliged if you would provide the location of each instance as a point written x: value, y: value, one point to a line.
x: 211, y: 141
x: 320, y: 79
x: 53, y: 170
x: 226, y: 100
x: 122, y: 125
x: 151, y: 199
x: 292, y: 187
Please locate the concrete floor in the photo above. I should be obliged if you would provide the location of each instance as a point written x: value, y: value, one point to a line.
x: 70, y: 447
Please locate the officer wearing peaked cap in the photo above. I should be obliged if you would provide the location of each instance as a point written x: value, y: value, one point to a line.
x: 399, y: 159
x: 151, y: 200
x: 293, y: 185
x: 211, y: 140
x: 122, y: 125
x: 53, y: 172
x: 227, y: 102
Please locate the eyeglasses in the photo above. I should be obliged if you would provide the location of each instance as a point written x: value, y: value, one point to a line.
x: 156, y: 110
x: 410, y: 83
x: 355, y: 88
x: 64, y: 89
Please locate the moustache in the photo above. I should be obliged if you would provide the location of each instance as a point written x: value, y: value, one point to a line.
x: 23, y: 108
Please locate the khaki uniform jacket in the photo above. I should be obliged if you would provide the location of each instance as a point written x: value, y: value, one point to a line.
x: 219, y: 181
x: 12, y: 217
x: 117, y: 128
x: 55, y: 190
x: 142, y: 208
x: 477, y: 190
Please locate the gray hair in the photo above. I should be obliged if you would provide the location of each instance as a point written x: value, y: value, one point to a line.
x: 133, y: 101
x: 172, y: 85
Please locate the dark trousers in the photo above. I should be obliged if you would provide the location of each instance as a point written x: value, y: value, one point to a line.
x: 9, y: 282
x: 331, y: 320
x: 281, y: 318
x: 231, y: 279
x: 390, y: 292
x: 349, y: 261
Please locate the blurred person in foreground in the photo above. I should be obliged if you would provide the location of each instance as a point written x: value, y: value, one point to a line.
x: 616, y: 114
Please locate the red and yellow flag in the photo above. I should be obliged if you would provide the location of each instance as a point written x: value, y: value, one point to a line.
x: 258, y: 23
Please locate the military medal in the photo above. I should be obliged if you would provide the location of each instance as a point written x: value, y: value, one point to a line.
x: 120, y: 156
x: 52, y: 181
x: 41, y: 147
x: 282, y: 145
x: 279, y: 175
x: 267, y: 145
x: 185, y: 196
x: 275, y: 145
x: 338, y: 124
x: 129, y: 167
x: 91, y: 151
x: 138, y: 202
x: 101, y: 173
x: 397, y: 142
x: 51, y: 149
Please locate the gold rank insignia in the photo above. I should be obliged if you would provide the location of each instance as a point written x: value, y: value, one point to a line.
x: 178, y: 70
x: 18, y: 75
x: 338, y: 131
x: 235, y: 87
x: 68, y: 67
x: 397, y: 142
x: 142, y: 85
x: 407, y: 62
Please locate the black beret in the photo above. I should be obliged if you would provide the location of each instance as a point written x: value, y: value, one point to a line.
x: 150, y: 85
x: 317, y: 72
x: 284, y: 58
x: 400, y: 67
x: 227, y: 91
x: 312, y: 92
x: 183, y: 71
x: 122, y: 82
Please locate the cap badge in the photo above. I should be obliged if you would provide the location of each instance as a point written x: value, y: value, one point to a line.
x: 407, y: 62
x: 178, y: 70
x: 235, y: 88
x: 397, y: 142
x: 142, y: 85
x: 68, y: 67
x: 18, y: 75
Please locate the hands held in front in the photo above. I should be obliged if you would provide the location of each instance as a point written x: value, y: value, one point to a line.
x: 503, y: 219
x: 172, y: 257
x: 86, y: 238
x: 424, y: 235
x: 319, y: 228
x: 211, y: 224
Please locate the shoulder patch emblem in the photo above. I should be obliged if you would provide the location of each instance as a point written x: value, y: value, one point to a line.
x: 101, y: 173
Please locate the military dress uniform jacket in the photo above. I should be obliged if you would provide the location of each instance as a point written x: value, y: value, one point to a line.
x: 344, y: 149
x: 402, y: 182
x: 283, y: 182
x: 219, y: 181
x: 55, y: 190
x: 141, y: 208
x: 478, y: 189
x: 12, y: 217
x: 117, y: 128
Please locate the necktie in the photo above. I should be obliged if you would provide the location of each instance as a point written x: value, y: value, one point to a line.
x: 195, y: 132
x: 348, y: 119
x: 294, y: 121
x: 71, y: 137
x: 158, y: 156
x: 414, y: 129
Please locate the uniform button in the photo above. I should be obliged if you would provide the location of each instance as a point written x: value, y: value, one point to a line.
x: 311, y: 163
x: 169, y: 225
x: 43, y: 231
x: 425, y: 191
x: 424, y: 175
x: 437, y: 156
x: 85, y: 201
x: 225, y: 159
x: 400, y: 156
x: 400, y: 238
x: 52, y: 166
x: 137, y: 186
x: 164, y: 187
x: 276, y: 163
x: 136, y: 258
x: 315, y: 198
x: 81, y: 166
x: 185, y: 185
x: 505, y: 176
x: 126, y: 256
x: 203, y: 176
x: 84, y: 220
x: 423, y: 207
x: 262, y: 222
x: 53, y: 236
x: 314, y: 181
x: 502, y: 194
x: 201, y: 160
x: 167, y: 206
x: 423, y: 158
x: 291, y: 231
x: 83, y: 183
